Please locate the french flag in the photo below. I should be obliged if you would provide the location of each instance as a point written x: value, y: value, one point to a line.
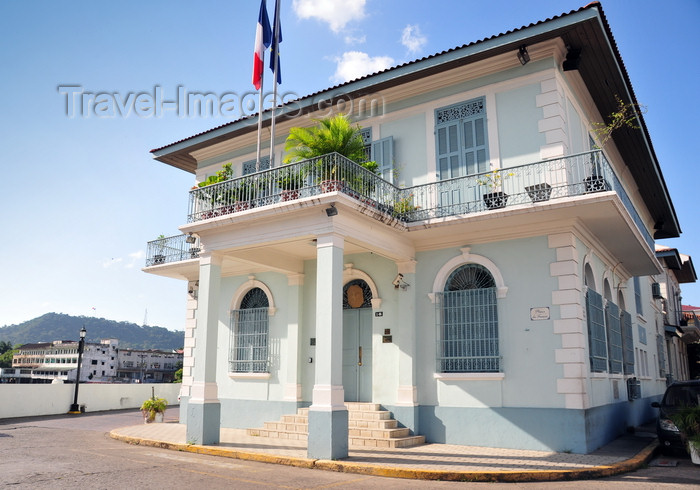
x: 263, y: 39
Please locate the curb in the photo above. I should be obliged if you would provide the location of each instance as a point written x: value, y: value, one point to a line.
x: 625, y: 466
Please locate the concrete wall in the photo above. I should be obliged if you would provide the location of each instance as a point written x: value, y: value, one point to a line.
x: 26, y: 400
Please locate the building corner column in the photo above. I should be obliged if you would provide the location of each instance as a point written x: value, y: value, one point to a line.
x: 203, y: 406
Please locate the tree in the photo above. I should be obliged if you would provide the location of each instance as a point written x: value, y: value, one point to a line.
x: 6, y: 356
x: 625, y: 115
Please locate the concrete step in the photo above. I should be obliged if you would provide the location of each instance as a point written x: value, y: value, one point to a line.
x: 368, y: 426
x: 386, y: 443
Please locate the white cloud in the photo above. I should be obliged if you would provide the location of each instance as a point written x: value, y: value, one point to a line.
x: 354, y: 64
x: 337, y: 13
x: 349, y: 39
x: 413, y: 39
x: 136, y: 258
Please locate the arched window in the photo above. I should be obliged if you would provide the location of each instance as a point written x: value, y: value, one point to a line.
x: 467, y: 317
x: 248, y: 351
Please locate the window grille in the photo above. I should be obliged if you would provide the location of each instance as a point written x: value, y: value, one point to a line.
x: 249, y: 334
x: 614, y: 333
x: 366, y: 294
x: 627, y: 343
x: 467, y: 322
x: 596, y: 332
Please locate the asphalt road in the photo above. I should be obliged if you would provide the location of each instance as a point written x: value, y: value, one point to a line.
x: 77, y: 452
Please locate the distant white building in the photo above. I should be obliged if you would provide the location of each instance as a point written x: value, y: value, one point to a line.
x: 57, y: 361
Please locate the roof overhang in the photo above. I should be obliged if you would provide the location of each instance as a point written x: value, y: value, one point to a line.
x: 601, y: 69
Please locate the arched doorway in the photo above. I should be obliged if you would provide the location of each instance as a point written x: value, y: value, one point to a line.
x: 357, y: 341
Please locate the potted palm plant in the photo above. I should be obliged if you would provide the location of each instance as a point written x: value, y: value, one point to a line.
x: 331, y: 135
x: 153, y: 409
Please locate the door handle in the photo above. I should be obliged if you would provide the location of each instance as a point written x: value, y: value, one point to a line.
x: 359, y: 363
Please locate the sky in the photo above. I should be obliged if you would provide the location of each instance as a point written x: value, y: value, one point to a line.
x: 86, y: 88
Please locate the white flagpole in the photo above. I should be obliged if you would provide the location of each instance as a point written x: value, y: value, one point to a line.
x: 260, y: 112
x: 276, y: 46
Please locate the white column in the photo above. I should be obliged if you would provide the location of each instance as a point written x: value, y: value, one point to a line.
x: 405, y: 339
x: 328, y: 417
x: 203, y: 407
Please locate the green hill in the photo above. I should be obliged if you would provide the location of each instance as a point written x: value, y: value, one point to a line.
x: 56, y: 326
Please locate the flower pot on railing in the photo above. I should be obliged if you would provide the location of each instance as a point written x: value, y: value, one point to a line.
x: 495, y: 200
x: 595, y: 183
x: 539, y: 192
x: 159, y: 259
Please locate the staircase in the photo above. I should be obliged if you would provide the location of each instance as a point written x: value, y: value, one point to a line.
x: 368, y: 426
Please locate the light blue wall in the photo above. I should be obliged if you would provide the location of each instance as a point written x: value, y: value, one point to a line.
x: 410, y: 149
x: 527, y: 346
x: 576, y: 130
x: 519, y: 138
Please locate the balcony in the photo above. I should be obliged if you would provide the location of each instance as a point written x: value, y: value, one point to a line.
x: 176, y: 248
x: 563, y: 188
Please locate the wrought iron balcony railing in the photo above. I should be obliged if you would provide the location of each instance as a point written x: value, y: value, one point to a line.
x: 172, y: 249
x: 558, y: 178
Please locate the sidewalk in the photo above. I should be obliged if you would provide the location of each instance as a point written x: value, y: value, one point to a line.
x: 426, y: 462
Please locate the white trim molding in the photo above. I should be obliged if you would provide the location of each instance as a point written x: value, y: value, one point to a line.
x: 350, y: 274
x: 468, y: 258
x: 247, y: 286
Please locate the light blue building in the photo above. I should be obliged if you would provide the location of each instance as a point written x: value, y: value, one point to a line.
x: 492, y: 288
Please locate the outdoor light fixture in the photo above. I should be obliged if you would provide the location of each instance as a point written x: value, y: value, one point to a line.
x: 523, y: 55
x: 75, y: 408
x: 331, y: 211
x: 191, y: 238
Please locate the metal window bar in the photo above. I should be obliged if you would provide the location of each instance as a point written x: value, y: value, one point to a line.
x: 467, y: 331
x: 171, y: 249
x: 248, y: 342
x: 627, y: 343
x: 596, y: 332
x: 614, y: 335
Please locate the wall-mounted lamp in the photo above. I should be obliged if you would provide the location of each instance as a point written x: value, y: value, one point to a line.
x: 573, y: 58
x: 331, y: 211
x: 191, y: 238
x: 400, y: 283
x: 523, y: 55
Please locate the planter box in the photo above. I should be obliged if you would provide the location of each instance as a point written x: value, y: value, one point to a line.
x: 539, y: 192
x: 495, y: 200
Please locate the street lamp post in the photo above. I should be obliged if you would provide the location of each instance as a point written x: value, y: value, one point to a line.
x: 75, y: 408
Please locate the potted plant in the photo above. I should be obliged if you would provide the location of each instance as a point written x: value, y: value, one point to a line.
x: 159, y: 257
x: 404, y: 207
x: 539, y: 192
x: 153, y: 409
x: 493, y: 180
x: 289, y: 180
x: 687, y: 419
